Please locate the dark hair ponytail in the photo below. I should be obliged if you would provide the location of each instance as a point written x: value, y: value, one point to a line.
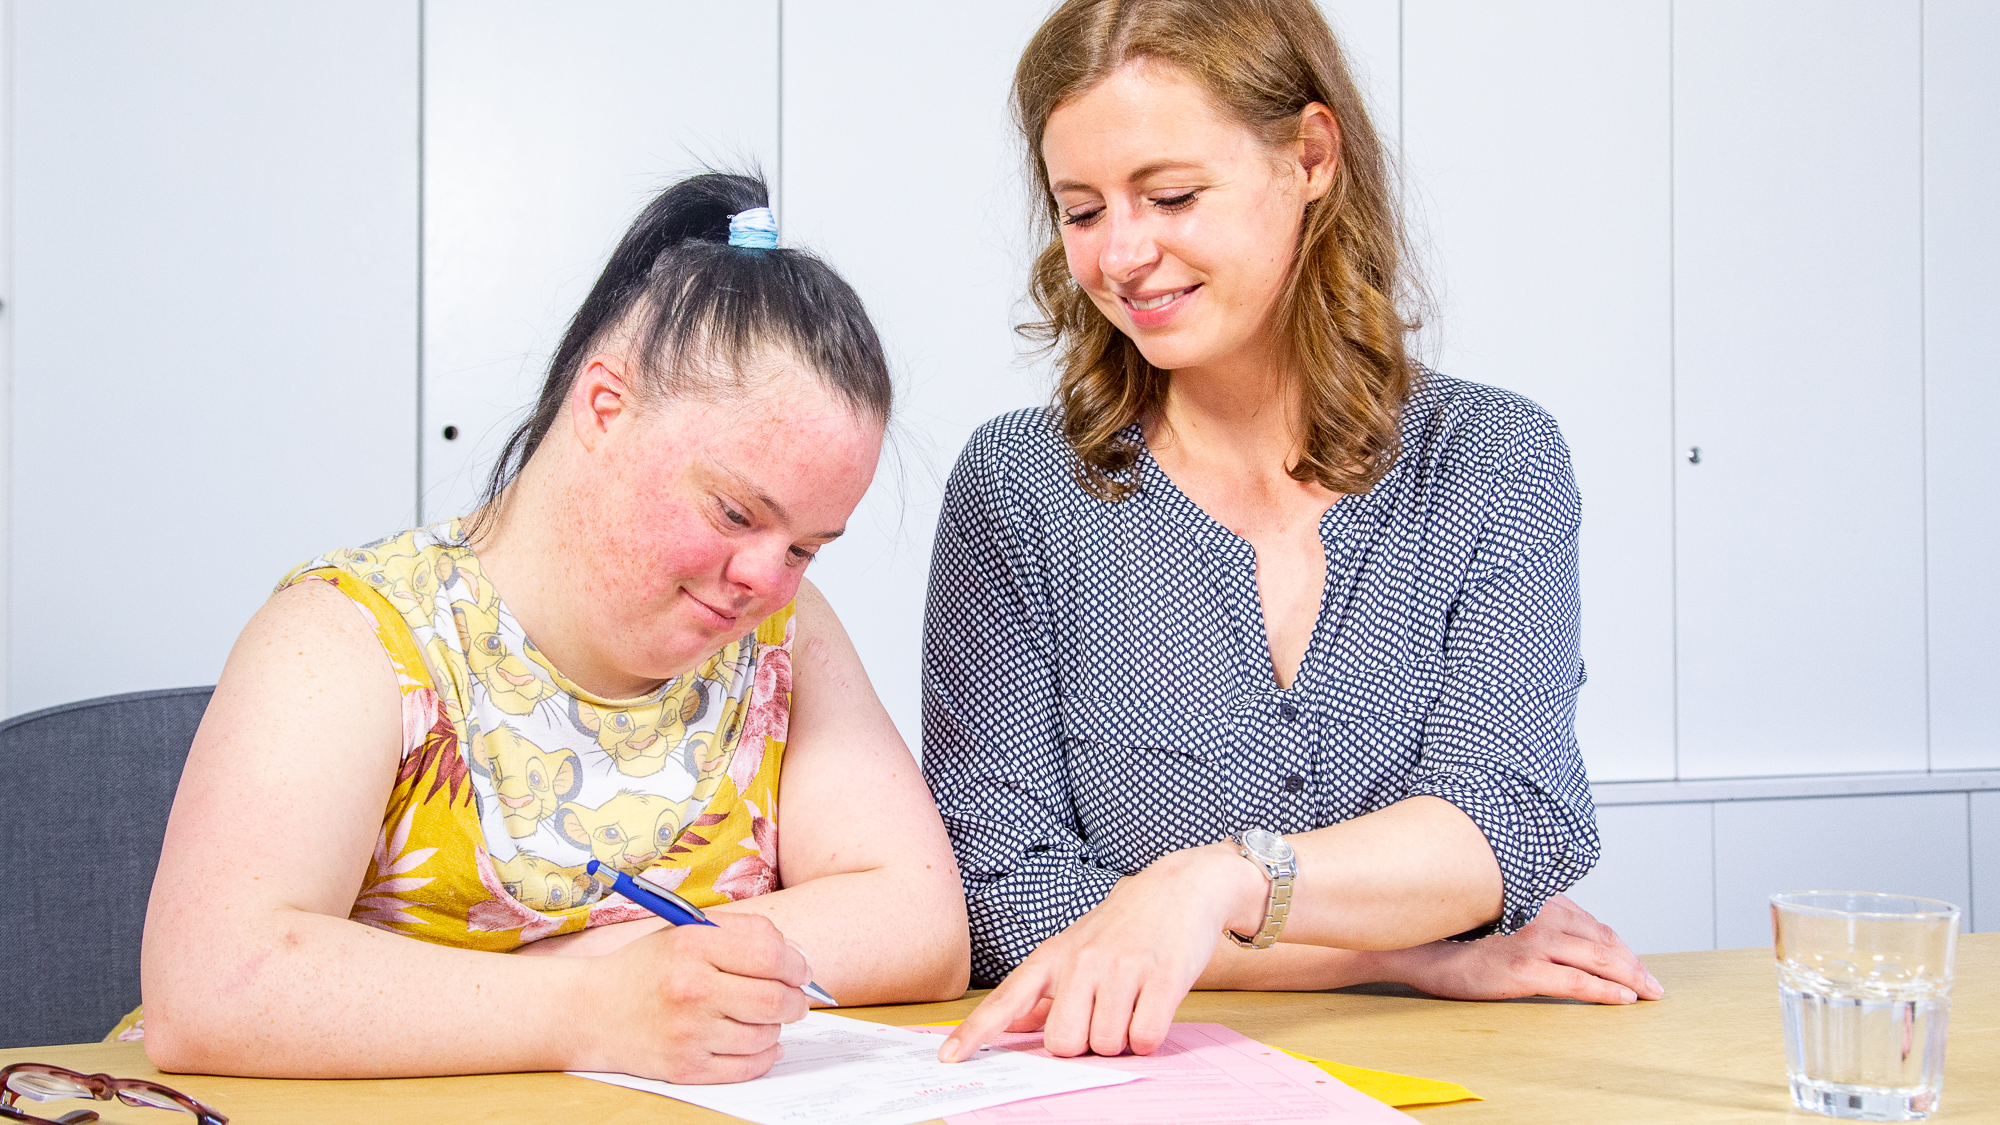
x: 696, y: 307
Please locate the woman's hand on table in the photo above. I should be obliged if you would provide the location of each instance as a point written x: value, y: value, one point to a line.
x: 697, y: 1004
x: 1116, y: 976
x: 1564, y: 952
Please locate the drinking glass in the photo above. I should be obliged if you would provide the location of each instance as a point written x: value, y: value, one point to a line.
x: 1864, y: 981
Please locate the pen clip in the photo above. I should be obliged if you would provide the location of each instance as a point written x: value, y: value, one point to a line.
x: 609, y: 878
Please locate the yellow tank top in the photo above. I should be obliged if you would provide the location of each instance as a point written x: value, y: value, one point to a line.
x: 512, y: 777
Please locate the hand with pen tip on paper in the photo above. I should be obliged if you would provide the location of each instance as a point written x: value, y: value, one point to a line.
x: 697, y: 1004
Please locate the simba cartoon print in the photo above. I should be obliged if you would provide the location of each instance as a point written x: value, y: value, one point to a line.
x: 528, y: 781
x: 513, y: 777
x: 639, y: 740
x: 631, y: 831
x: 506, y: 678
x: 537, y: 884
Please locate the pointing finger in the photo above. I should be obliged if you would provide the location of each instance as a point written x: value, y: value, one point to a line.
x: 1016, y: 997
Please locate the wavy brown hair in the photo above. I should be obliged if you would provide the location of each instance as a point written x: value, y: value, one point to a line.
x: 1264, y: 62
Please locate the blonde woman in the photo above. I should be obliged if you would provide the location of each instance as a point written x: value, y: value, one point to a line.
x: 1252, y: 662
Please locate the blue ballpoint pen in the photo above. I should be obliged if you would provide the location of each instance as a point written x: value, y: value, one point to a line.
x: 675, y: 909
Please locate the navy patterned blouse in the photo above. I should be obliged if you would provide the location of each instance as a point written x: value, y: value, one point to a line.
x: 1098, y: 688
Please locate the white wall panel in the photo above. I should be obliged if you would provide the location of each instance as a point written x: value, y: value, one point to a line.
x: 7, y: 101
x: 215, y: 274
x: 546, y: 128
x: 1985, y: 860
x: 1654, y: 883
x: 921, y: 202
x: 1962, y: 378
x: 1537, y: 137
x: 1911, y: 845
x: 1798, y: 352
x: 1370, y: 34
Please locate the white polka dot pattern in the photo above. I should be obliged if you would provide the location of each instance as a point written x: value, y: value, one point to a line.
x: 1098, y: 689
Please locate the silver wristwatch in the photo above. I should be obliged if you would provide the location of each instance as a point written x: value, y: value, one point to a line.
x: 1275, y: 858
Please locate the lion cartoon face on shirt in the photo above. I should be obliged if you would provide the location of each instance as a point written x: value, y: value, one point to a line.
x: 639, y: 739
x: 711, y: 751
x: 408, y: 578
x: 507, y: 677
x: 630, y: 832
x: 530, y: 782
x: 541, y: 884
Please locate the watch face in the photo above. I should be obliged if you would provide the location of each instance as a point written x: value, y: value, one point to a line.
x: 1268, y: 847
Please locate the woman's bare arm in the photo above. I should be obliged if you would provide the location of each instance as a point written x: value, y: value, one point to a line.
x: 871, y: 891
x: 251, y: 965
x: 1372, y: 899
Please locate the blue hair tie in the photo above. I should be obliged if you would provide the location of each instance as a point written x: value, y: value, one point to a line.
x: 755, y: 229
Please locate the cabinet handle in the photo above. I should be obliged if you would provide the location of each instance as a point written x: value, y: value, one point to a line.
x: 1694, y: 454
x: 451, y: 433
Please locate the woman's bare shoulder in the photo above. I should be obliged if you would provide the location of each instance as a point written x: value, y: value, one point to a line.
x: 309, y: 657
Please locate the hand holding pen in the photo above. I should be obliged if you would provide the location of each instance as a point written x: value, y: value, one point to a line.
x: 676, y: 910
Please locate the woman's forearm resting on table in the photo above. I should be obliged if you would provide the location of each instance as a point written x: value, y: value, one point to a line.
x: 1562, y: 952
x: 878, y: 936
x: 1402, y: 876
x: 293, y: 994
x: 859, y: 951
x: 287, y: 993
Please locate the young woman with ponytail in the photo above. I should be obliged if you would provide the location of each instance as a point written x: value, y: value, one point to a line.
x: 418, y: 746
x: 1251, y: 663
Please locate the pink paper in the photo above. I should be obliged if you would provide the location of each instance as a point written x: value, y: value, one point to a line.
x: 1204, y: 1072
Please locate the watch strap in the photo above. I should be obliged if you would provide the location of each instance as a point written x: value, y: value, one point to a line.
x: 1277, y: 908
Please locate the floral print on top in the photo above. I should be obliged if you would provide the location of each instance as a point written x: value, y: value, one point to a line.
x: 513, y: 778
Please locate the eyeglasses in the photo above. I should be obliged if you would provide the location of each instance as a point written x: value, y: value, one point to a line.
x: 40, y: 1082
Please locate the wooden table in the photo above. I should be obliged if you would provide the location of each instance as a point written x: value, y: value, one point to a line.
x: 1711, y: 1051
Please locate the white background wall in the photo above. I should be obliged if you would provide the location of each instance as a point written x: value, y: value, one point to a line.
x: 545, y: 131
x: 262, y: 255
x: 1798, y: 316
x: 214, y: 321
x: 1540, y: 165
x: 1961, y: 391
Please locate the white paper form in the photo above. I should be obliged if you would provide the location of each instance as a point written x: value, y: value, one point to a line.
x: 839, y: 1071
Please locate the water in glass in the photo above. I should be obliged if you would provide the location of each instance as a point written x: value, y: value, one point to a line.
x: 1864, y: 984
x: 1866, y: 1044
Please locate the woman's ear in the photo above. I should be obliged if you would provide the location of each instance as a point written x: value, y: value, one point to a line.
x: 599, y: 397
x: 1319, y: 149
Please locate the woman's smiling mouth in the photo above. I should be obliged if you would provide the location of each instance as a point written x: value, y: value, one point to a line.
x: 722, y: 619
x: 1156, y: 302
x: 1151, y: 312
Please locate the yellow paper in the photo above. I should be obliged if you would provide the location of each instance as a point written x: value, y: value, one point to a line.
x: 1399, y: 1090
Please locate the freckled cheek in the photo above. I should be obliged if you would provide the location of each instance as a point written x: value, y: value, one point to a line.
x: 655, y: 551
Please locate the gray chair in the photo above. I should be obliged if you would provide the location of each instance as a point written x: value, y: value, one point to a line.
x: 83, y: 808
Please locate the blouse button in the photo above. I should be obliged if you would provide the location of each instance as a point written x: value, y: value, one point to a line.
x: 1287, y: 712
x: 1294, y: 783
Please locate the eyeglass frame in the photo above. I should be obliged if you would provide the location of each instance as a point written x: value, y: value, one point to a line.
x: 104, y: 1088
